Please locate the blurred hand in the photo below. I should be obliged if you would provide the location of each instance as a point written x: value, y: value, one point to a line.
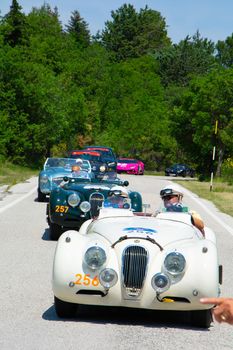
x: 223, y: 309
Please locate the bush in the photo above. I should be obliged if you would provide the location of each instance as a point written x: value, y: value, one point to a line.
x: 227, y: 171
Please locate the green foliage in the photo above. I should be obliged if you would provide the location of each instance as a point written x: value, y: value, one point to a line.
x: 78, y: 28
x: 140, y: 124
x: 208, y: 99
x: 227, y: 170
x: 131, y: 34
x: 129, y: 89
x: 14, y: 25
x: 180, y: 62
x: 225, y: 51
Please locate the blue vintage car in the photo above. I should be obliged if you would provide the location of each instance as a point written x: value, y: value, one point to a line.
x: 79, y: 199
x: 53, y: 172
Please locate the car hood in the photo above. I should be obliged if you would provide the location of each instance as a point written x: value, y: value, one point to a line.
x: 163, y: 231
x: 127, y: 165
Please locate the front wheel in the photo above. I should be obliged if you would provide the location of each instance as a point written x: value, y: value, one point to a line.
x: 201, y: 318
x: 41, y: 197
x: 64, y: 309
x: 55, y: 231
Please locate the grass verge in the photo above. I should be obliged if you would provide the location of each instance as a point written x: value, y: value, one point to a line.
x: 221, y: 194
x: 11, y: 174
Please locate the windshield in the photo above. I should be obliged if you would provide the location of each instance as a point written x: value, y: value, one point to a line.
x: 81, y: 174
x: 90, y: 157
x: 175, y: 208
x: 59, y: 162
x: 127, y: 161
x: 116, y: 201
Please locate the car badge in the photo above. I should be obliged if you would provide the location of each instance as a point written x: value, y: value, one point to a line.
x: 140, y: 230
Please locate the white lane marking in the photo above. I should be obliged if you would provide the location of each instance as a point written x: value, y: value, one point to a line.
x: 17, y: 200
x: 217, y: 219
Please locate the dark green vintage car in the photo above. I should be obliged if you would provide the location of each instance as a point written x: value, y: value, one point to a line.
x: 78, y: 199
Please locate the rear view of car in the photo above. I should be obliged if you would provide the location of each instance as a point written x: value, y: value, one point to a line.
x: 130, y: 166
x: 107, y: 155
x: 98, y: 165
x: 180, y: 170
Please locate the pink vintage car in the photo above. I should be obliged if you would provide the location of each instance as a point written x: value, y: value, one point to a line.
x: 130, y: 166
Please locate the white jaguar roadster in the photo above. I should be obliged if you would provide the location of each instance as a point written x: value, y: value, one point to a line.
x: 137, y: 261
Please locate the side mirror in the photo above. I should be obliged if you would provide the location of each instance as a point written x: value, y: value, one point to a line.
x: 65, y: 178
x: 126, y: 183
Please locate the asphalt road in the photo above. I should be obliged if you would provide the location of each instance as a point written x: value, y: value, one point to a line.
x: 27, y: 316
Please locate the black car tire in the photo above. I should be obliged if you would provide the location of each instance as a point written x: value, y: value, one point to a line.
x: 201, y: 318
x: 55, y: 231
x: 41, y: 197
x: 64, y: 309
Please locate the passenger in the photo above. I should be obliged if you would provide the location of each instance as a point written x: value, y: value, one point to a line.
x: 79, y: 162
x: 78, y: 171
x: 172, y: 199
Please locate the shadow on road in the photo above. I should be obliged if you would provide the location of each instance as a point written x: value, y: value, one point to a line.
x: 126, y: 316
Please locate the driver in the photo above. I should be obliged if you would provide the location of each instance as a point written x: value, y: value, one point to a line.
x: 172, y: 199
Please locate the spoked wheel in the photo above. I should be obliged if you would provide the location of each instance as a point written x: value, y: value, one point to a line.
x: 64, y: 309
x: 201, y: 318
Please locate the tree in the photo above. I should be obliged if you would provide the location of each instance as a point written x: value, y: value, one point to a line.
x: 131, y: 34
x: 225, y: 52
x: 133, y: 115
x: 14, y: 22
x: 47, y: 42
x: 180, y: 62
x: 78, y: 28
x: 207, y: 100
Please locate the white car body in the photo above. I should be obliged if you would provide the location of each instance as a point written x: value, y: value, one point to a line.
x: 136, y: 260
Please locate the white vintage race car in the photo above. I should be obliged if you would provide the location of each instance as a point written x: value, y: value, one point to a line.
x: 137, y: 261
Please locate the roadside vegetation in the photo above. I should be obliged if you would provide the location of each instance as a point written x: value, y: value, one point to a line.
x: 11, y: 174
x: 128, y: 87
x: 221, y: 194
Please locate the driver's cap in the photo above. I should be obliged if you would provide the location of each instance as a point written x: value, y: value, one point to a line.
x: 171, y: 190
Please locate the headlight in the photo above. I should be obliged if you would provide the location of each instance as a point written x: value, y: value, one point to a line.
x: 102, y: 168
x: 174, y: 263
x: 160, y: 282
x: 44, y: 179
x: 108, y: 278
x: 73, y: 200
x: 95, y: 257
x: 85, y: 206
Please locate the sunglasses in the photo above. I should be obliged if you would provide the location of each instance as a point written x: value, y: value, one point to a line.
x: 167, y: 198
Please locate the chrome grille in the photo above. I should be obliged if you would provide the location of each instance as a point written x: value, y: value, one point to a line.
x: 96, y: 199
x: 134, y: 268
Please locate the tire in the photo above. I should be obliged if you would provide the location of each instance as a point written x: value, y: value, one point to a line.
x: 64, y: 309
x: 41, y: 197
x: 201, y: 318
x: 55, y: 231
